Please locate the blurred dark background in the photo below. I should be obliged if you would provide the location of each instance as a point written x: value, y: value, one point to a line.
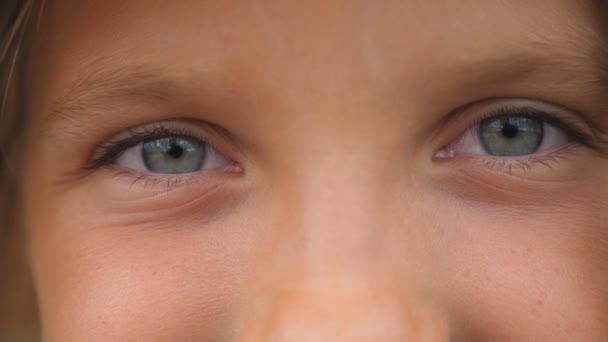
x: 18, y: 317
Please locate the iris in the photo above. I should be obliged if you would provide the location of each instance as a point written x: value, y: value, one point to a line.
x: 511, y: 136
x: 173, y: 155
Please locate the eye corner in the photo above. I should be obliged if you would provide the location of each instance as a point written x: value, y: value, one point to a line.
x: 445, y: 153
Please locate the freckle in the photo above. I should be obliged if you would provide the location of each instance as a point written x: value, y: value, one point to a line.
x: 530, y: 250
x: 540, y: 302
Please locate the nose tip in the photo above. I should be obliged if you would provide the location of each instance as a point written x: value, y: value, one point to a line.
x: 335, y: 316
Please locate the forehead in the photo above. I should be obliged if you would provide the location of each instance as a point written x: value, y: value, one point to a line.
x: 285, y: 23
x: 282, y: 20
x: 409, y: 31
x: 338, y: 12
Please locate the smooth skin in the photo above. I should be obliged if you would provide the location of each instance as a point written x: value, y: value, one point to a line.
x: 336, y: 220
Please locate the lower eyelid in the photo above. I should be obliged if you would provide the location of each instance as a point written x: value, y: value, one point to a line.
x: 557, y: 164
x: 147, y: 184
x: 151, y: 198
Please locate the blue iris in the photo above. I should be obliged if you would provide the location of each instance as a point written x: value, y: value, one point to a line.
x: 174, y: 155
x: 511, y: 136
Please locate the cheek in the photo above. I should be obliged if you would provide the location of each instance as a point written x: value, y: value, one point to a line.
x: 541, y: 269
x: 96, y: 268
x: 174, y: 274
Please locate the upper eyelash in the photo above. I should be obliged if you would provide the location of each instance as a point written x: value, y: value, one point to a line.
x: 106, y: 153
x: 589, y: 139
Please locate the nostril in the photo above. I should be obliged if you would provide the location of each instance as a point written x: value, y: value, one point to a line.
x: 293, y: 317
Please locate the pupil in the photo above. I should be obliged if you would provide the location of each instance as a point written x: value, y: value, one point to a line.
x: 175, y: 150
x: 509, y: 130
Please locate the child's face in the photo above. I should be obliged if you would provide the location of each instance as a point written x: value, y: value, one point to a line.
x: 319, y: 170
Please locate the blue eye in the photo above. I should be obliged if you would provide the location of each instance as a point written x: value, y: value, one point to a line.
x: 512, y: 131
x: 172, y: 155
x: 511, y: 136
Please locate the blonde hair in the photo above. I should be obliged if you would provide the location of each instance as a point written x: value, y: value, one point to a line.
x: 18, y: 319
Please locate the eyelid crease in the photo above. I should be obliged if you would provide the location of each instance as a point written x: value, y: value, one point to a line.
x: 147, y: 180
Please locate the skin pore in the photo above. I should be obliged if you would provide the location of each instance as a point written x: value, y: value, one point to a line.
x: 341, y: 202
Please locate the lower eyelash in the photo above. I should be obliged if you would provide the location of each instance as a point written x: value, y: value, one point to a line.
x: 146, y: 181
x: 527, y: 164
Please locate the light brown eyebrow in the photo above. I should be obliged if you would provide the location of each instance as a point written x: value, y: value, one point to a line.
x: 587, y: 73
x: 109, y: 88
x: 100, y: 87
x: 95, y: 88
x: 583, y: 66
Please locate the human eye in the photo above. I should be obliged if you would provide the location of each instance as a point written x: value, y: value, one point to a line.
x: 165, y: 149
x: 520, y: 133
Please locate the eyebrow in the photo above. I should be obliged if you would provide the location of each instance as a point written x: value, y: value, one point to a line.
x: 102, y: 86
x: 113, y: 89
x: 98, y: 90
x: 585, y: 72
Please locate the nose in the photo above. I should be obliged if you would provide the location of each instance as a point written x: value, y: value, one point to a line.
x: 329, y: 275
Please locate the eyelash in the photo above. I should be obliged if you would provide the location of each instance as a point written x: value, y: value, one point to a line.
x: 107, y: 153
x: 563, y: 122
x: 594, y: 138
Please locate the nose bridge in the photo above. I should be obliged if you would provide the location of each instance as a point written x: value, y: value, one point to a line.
x: 338, y: 215
x: 330, y: 276
x: 334, y: 217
